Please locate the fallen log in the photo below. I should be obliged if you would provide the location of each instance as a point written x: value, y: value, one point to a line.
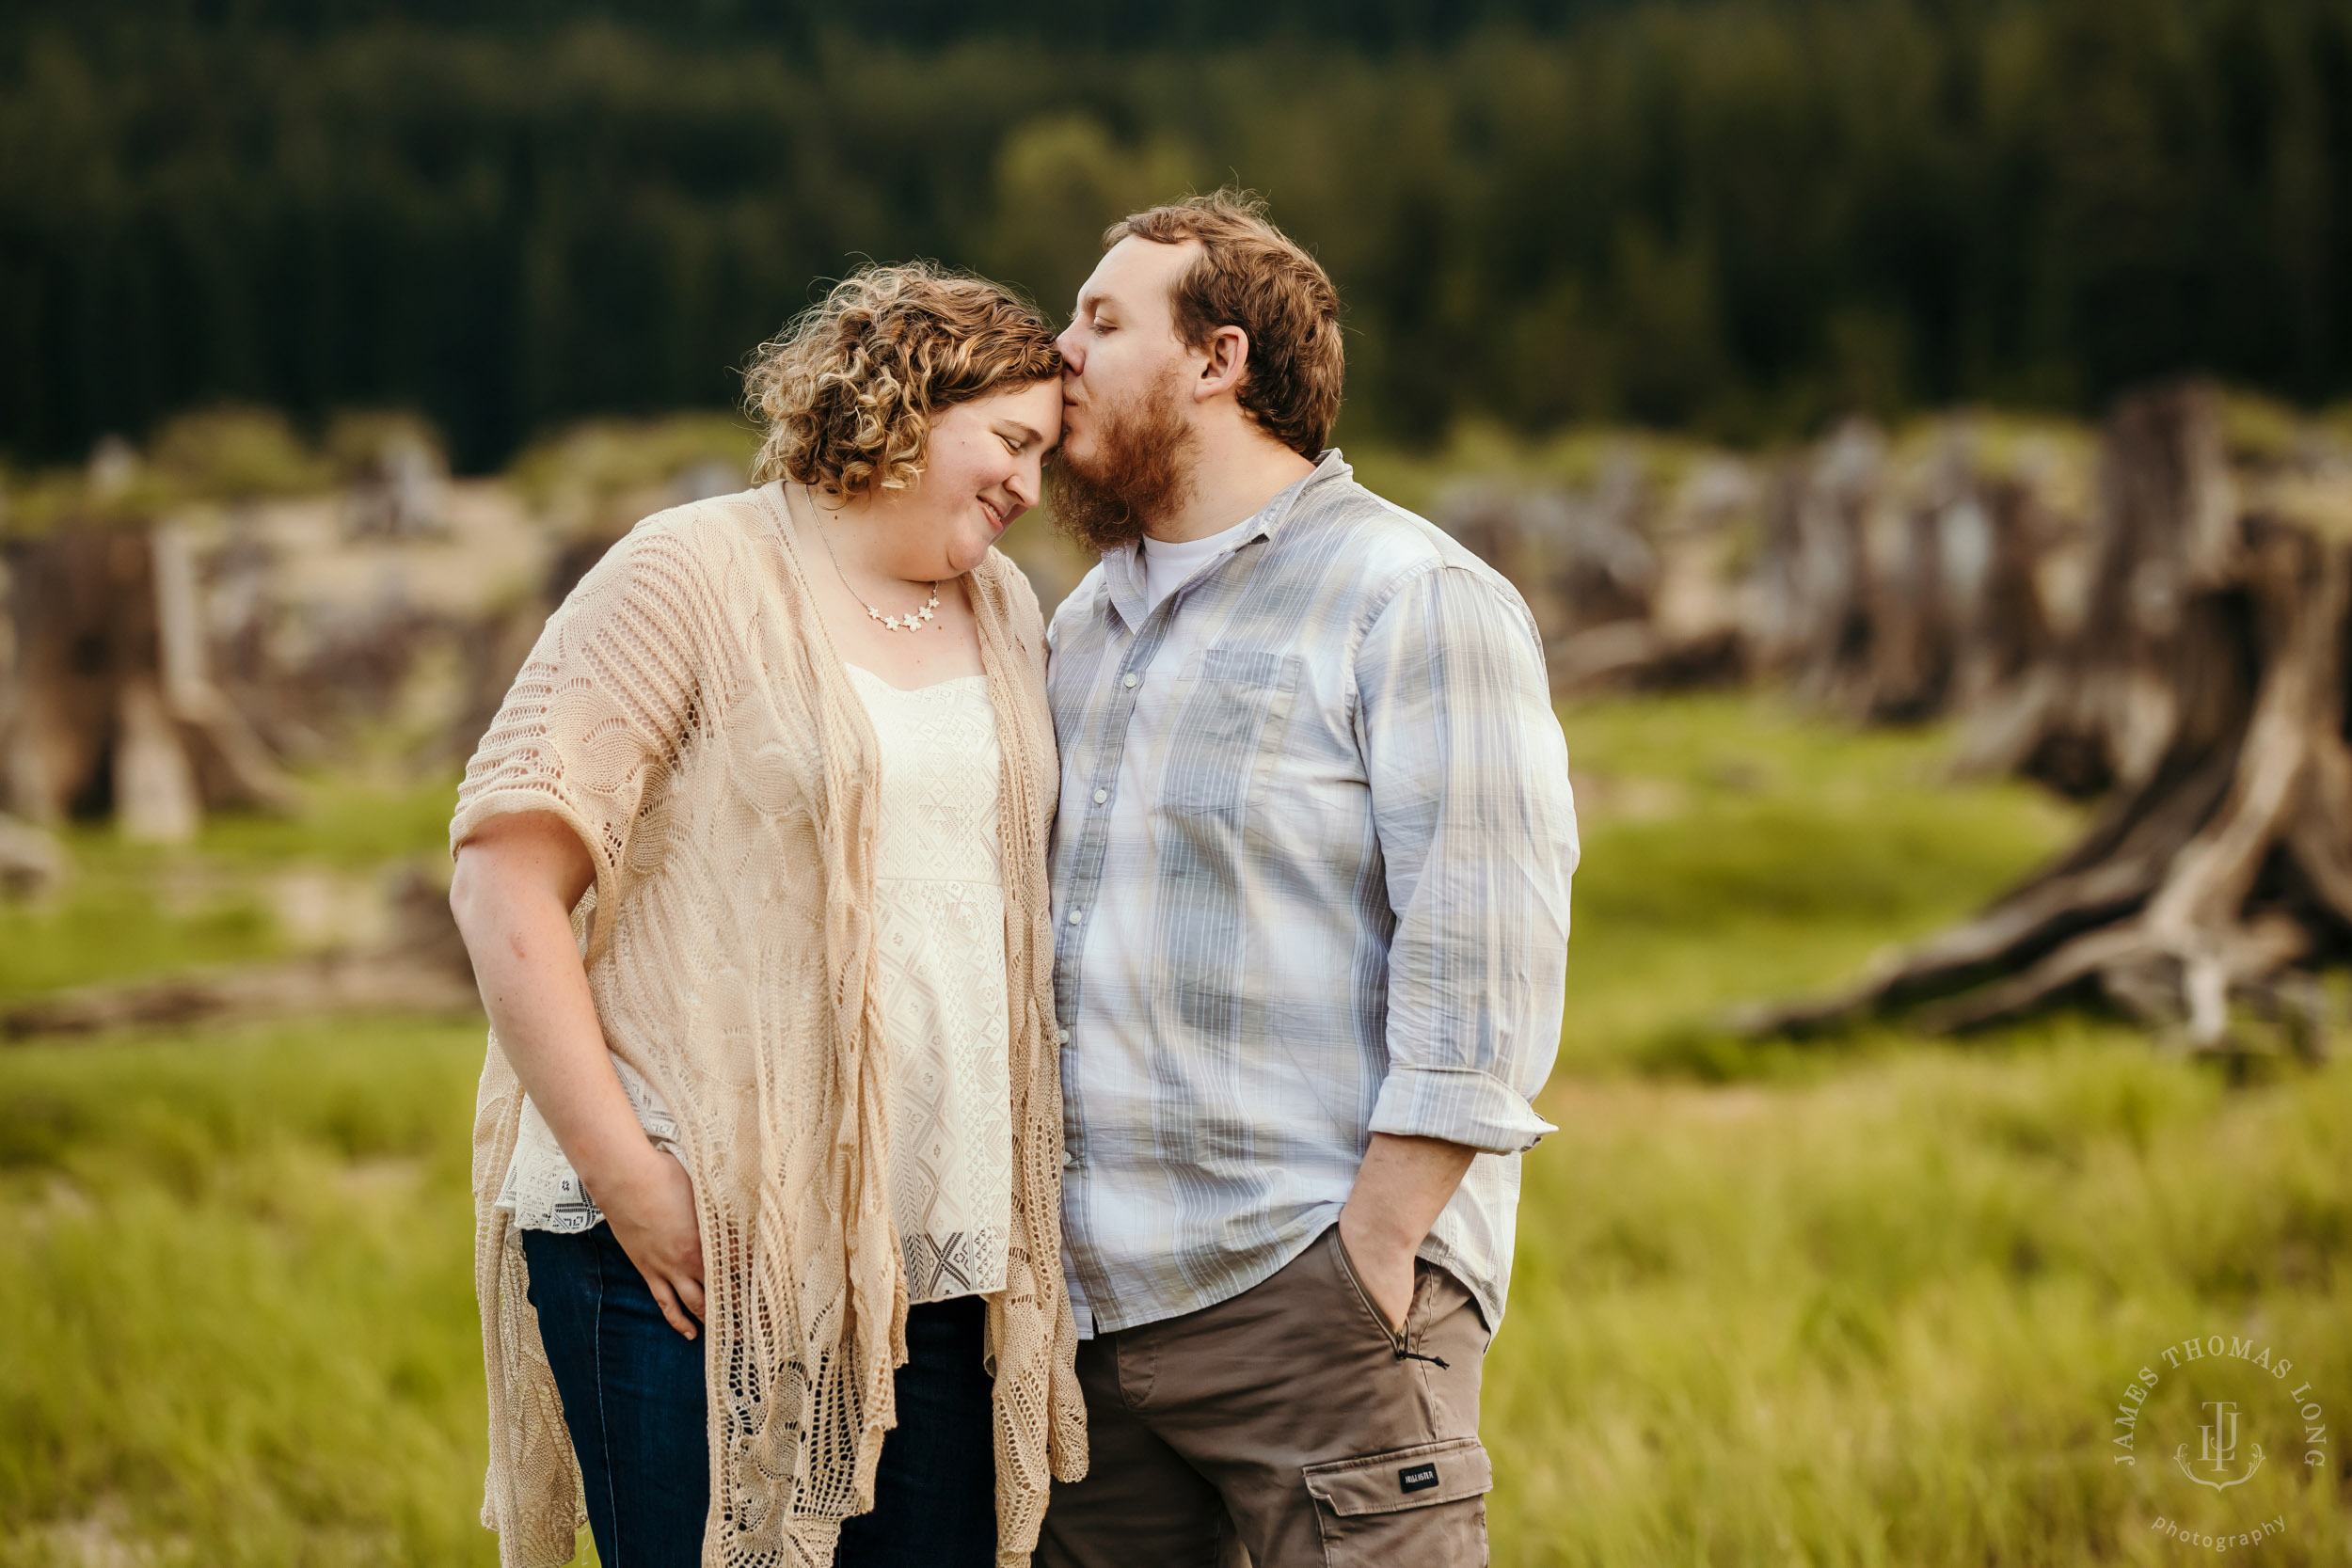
x: 422, y: 968
x: 329, y: 984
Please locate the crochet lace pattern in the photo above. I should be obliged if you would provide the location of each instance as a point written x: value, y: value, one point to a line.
x: 939, y: 940
x: 686, y: 714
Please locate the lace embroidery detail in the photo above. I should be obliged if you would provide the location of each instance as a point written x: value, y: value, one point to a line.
x: 541, y: 1189
x: 939, y: 913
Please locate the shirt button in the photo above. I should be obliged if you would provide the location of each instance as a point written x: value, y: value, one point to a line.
x: 1130, y: 680
x: 1101, y: 796
x: 1068, y: 1158
x: 1062, y: 1035
x: 1073, y: 917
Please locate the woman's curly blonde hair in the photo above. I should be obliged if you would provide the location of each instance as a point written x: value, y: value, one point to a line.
x: 847, y: 392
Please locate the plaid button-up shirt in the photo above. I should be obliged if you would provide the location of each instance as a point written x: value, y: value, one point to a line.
x: 1311, y: 882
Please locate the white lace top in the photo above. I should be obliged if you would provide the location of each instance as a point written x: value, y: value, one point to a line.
x: 939, y: 907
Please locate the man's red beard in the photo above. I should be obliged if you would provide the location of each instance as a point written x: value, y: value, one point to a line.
x: 1138, y: 474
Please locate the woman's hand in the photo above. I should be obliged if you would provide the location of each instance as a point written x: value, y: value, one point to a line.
x: 650, y: 1207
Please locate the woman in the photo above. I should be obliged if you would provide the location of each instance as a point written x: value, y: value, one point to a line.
x: 751, y: 867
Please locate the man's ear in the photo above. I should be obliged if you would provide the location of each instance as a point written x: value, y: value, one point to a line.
x: 1226, y: 363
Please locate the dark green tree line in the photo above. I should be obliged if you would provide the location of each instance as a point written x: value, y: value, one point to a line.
x: 1741, y: 216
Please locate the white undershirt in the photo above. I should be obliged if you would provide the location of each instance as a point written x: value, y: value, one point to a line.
x: 1167, y: 567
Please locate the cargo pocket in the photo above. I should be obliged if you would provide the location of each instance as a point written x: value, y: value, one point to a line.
x: 1425, y: 1504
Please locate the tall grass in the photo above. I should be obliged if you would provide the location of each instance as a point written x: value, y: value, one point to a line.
x: 1873, y: 1303
x: 239, y: 1307
x: 1735, y: 849
x: 1887, y: 1317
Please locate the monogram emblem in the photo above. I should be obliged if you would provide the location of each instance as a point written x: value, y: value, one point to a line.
x: 2218, y: 1450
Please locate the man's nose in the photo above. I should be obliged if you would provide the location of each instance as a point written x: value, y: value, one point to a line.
x: 1073, y: 357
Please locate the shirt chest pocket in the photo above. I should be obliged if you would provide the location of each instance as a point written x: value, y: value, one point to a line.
x: 1229, y: 724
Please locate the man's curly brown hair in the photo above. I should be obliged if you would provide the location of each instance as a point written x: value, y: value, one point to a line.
x: 1251, y: 274
x: 847, y: 392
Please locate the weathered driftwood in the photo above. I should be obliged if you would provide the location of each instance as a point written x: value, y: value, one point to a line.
x: 1897, y: 593
x: 2146, y: 673
x: 1629, y: 581
x: 31, y: 862
x: 329, y: 983
x: 1888, y: 585
x: 112, y: 706
x: 2207, y: 681
x: 395, y: 479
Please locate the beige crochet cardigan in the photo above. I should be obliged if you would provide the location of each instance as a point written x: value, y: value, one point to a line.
x: 685, y: 713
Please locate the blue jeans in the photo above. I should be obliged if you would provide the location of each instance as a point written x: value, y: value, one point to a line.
x: 632, y: 1392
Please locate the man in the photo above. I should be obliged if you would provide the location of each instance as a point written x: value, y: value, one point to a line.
x: 1310, y: 902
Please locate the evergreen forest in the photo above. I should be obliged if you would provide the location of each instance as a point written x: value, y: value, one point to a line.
x: 1740, y: 217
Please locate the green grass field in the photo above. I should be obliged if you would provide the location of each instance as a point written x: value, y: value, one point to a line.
x: 1863, y: 1304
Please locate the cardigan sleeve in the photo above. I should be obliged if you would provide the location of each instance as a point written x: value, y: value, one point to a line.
x: 602, y: 709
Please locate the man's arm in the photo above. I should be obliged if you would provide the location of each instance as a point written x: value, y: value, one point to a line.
x: 1468, y: 778
x: 1400, y: 1188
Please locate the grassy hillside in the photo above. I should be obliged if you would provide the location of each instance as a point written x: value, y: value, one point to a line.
x: 1869, y: 1304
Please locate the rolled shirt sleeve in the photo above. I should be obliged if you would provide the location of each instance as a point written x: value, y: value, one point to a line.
x: 1470, y: 800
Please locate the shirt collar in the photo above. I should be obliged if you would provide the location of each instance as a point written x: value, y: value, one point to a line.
x: 1122, y: 568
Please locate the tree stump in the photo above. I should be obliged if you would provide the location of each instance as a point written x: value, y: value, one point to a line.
x: 112, y: 712
x: 1627, y: 581
x: 2206, y: 687
x: 1895, y: 593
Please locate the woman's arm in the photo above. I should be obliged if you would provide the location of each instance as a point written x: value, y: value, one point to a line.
x: 517, y: 878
